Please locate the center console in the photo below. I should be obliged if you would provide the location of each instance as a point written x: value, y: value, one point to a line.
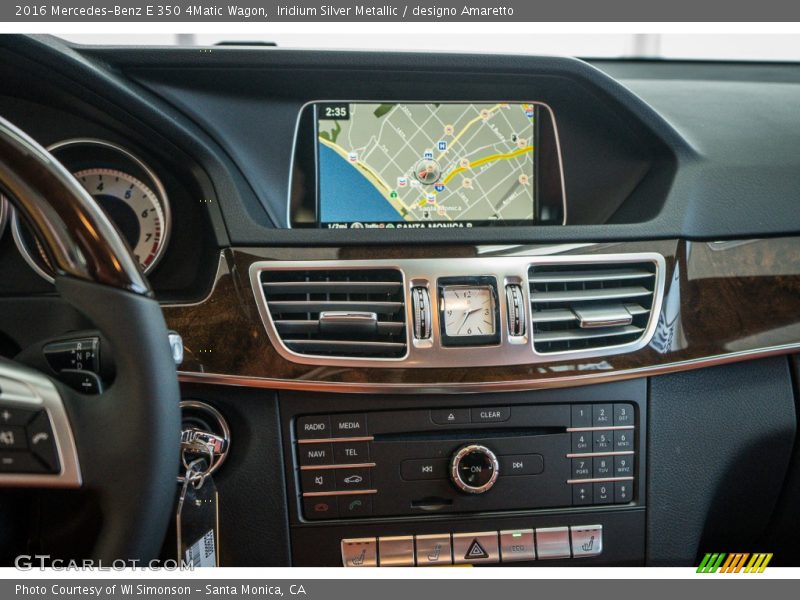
x: 551, y: 475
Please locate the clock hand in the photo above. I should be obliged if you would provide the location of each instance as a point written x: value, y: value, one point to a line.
x: 467, y: 313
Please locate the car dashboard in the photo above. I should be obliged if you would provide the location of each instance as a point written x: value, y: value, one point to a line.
x: 447, y: 309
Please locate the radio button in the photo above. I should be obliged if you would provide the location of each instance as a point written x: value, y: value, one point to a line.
x: 433, y: 550
x: 582, y: 442
x: 362, y: 552
x: 349, y: 425
x: 397, y: 551
x: 581, y: 468
x: 345, y: 453
x: 310, y: 428
x: 602, y: 415
x: 517, y: 545
x: 494, y: 414
x: 581, y: 494
x: 587, y: 540
x: 315, y: 454
x: 317, y: 480
x: 552, y: 542
x: 416, y: 469
x: 320, y: 507
x: 450, y: 416
x: 623, y: 414
x: 521, y: 464
x: 582, y: 415
x: 355, y: 505
x: 603, y: 467
x: 472, y: 548
x: 352, y: 479
x: 623, y: 466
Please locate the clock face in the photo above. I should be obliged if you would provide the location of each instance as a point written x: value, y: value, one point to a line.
x: 468, y: 310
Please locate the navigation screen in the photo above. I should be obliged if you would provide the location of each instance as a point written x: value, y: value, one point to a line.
x: 425, y: 165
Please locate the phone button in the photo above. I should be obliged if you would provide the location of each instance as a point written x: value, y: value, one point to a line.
x: 355, y: 505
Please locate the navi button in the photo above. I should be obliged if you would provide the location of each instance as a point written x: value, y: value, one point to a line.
x: 434, y: 550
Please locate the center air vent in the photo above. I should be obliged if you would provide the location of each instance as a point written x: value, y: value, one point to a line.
x: 590, y: 306
x: 343, y: 313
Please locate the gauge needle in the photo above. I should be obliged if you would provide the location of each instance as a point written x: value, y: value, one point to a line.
x: 466, y: 316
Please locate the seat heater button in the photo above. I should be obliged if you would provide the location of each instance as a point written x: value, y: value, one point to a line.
x: 587, y: 540
x: 517, y: 545
x: 396, y: 551
x: 349, y: 425
x: 475, y: 548
x: 433, y: 550
x: 361, y: 552
x: 552, y: 542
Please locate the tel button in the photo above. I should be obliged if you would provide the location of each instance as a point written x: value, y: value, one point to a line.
x: 494, y: 414
x: 349, y: 425
x: 309, y: 428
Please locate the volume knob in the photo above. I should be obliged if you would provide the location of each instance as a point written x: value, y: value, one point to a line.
x: 474, y: 469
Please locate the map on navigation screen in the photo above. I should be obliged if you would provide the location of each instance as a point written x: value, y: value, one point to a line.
x: 427, y: 164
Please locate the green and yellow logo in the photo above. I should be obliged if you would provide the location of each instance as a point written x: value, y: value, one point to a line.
x: 720, y: 562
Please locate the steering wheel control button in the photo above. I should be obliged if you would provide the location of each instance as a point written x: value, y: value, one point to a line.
x: 315, y: 454
x: 552, y: 542
x: 433, y: 550
x: 350, y: 453
x: 522, y: 464
x: 474, y: 469
x: 81, y: 354
x: 623, y: 415
x: 396, y: 551
x: 587, y: 540
x: 312, y: 428
x: 420, y: 469
x: 495, y: 414
x: 19, y: 461
x: 349, y: 425
x: 321, y: 480
x: 85, y: 382
x: 352, y: 479
x: 602, y: 415
x: 355, y: 505
x: 475, y: 548
x: 320, y: 507
x: 582, y: 415
x: 361, y: 552
x: 451, y: 416
x: 41, y: 442
x: 517, y: 545
x: 10, y: 417
x: 12, y: 438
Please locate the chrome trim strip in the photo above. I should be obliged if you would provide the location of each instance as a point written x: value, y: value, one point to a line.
x: 343, y: 493
x: 613, y: 428
x: 328, y: 467
x: 599, y: 480
x: 591, y: 454
x: 43, y: 395
x: 365, y: 438
x: 547, y: 107
x: 488, y: 386
x: 512, y: 350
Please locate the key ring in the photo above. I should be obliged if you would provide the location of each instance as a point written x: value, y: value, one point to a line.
x: 192, y: 474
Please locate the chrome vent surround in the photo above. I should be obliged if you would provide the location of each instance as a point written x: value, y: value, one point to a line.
x: 338, y: 312
x: 592, y: 306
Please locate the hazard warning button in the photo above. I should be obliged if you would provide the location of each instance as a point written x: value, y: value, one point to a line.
x: 475, y: 548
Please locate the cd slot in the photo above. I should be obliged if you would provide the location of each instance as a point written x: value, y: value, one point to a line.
x: 460, y: 434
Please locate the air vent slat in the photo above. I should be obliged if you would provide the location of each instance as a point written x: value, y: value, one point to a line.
x: 338, y: 313
x: 561, y: 292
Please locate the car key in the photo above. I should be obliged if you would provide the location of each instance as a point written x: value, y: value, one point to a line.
x: 197, y: 517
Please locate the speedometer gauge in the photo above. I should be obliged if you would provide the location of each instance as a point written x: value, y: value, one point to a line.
x: 132, y: 206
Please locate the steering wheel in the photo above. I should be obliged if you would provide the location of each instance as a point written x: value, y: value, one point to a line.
x: 123, y: 444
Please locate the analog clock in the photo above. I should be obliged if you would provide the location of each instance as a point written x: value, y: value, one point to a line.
x: 468, y: 313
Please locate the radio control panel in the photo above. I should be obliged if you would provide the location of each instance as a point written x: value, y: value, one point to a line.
x: 465, y: 459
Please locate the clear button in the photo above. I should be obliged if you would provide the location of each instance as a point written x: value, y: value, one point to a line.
x: 587, y: 540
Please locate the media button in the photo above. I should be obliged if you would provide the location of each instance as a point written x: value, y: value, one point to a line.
x: 349, y: 425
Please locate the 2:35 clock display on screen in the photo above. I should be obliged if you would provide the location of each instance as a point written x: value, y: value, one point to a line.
x: 468, y: 311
